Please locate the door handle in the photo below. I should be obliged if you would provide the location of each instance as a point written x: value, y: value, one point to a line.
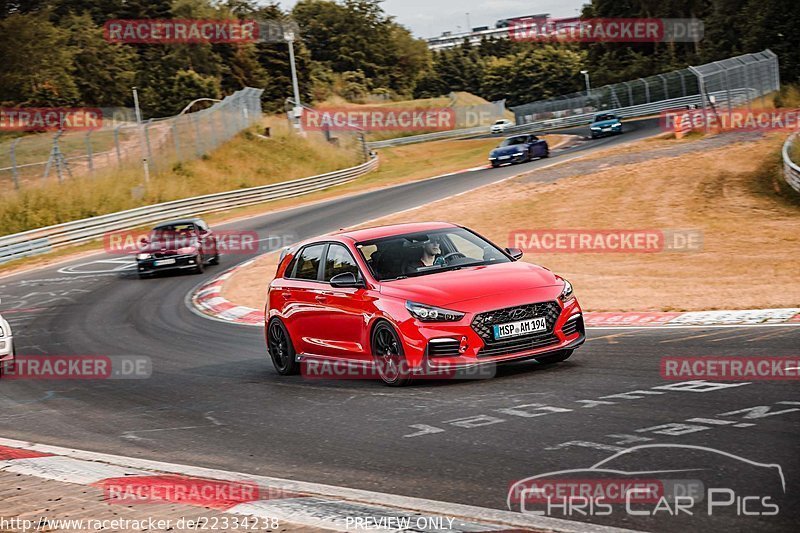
x: 286, y: 295
x: 321, y: 298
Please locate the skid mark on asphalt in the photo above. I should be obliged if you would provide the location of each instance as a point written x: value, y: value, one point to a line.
x: 692, y: 337
x: 610, y: 339
x: 133, y: 435
x: 100, y: 266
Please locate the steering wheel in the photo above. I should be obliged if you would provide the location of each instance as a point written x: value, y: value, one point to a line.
x: 452, y: 255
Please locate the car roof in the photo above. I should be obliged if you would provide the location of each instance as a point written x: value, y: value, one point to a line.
x: 370, y: 234
x: 181, y: 221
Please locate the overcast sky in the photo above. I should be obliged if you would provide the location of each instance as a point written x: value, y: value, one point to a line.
x: 429, y: 18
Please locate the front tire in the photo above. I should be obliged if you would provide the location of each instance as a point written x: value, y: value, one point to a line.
x: 200, y: 267
x: 281, y: 350
x: 387, y: 352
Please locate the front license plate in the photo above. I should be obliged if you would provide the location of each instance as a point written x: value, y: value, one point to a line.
x: 523, y: 327
x: 164, y: 262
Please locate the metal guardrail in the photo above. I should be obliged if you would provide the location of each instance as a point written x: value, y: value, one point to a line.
x: 737, y: 96
x: 44, y: 240
x: 791, y: 170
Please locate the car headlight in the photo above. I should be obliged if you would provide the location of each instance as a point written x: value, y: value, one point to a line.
x: 596, y: 127
x: 428, y: 313
x: 2, y: 333
x: 520, y: 153
x: 143, y: 257
x: 617, y: 125
x: 568, y: 292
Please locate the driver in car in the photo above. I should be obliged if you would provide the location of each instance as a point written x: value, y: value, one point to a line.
x: 431, y: 254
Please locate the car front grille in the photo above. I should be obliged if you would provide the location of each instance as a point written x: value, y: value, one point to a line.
x: 483, y: 322
x: 443, y: 348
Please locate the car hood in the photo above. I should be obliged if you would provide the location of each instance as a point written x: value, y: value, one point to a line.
x: 460, y: 288
x: 605, y: 123
x: 508, y: 150
x: 167, y: 245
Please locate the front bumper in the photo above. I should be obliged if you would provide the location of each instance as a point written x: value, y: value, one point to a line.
x: 182, y: 262
x: 429, y: 346
x: 516, y: 158
x: 6, y: 349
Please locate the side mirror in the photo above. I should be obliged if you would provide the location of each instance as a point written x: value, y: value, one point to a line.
x: 515, y: 253
x: 348, y: 280
x: 143, y: 240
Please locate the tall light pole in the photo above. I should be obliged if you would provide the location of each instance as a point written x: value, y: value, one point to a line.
x: 297, y: 112
x: 588, y: 84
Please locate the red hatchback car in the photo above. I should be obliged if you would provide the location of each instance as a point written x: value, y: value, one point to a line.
x: 414, y: 299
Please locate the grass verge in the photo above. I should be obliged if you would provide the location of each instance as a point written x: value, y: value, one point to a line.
x: 734, y: 194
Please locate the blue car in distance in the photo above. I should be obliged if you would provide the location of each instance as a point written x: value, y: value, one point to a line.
x: 605, y: 124
x: 519, y: 149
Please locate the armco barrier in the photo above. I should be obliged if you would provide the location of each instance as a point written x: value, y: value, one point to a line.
x: 737, y: 97
x: 44, y: 240
x: 791, y: 170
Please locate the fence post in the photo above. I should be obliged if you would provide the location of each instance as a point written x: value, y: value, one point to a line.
x: 666, y: 87
x: 149, y: 155
x: 198, y: 150
x: 702, y: 86
x: 646, y: 90
x: 89, y: 153
x: 14, y: 169
x: 117, y: 146
x: 174, y: 129
x: 630, y: 92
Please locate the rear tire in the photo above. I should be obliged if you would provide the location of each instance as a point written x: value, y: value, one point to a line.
x: 387, y: 353
x: 281, y: 350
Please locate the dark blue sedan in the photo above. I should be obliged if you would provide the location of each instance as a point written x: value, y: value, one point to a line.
x: 519, y: 149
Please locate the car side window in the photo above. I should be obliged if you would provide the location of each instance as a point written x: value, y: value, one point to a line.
x: 339, y: 261
x: 308, y: 262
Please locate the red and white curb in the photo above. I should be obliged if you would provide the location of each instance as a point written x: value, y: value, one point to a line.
x: 209, y: 301
x: 294, y: 502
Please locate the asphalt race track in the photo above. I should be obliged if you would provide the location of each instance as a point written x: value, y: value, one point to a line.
x: 214, y: 400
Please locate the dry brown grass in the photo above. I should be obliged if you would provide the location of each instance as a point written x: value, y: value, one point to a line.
x: 733, y: 194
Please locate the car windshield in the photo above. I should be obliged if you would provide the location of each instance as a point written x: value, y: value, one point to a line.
x: 173, y: 231
x: 500, y: 122
x: 513, y: 141
x: 607, y: 116
x: 420, y: 254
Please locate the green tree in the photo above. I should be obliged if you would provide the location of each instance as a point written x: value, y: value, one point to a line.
x: 104, y: 72
x: 37, y: 62
x: 538, y: 73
